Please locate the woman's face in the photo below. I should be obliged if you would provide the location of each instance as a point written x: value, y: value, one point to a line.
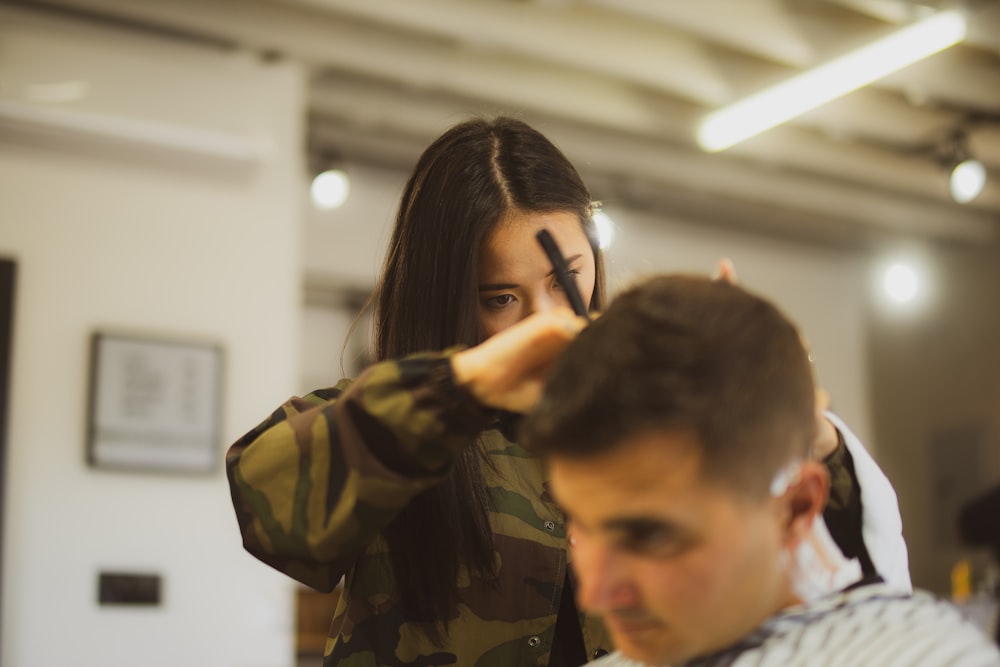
x: 515, y: 276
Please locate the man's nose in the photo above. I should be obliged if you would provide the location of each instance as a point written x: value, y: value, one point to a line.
x: 604, y: 584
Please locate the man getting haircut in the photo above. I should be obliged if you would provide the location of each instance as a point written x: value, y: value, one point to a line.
x: 677, y: 432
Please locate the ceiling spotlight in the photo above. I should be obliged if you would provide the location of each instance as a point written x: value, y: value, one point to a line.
x: 901, y: 282
x: 967, y: 175
x: 968, y: 178
x: 331, y: 183
x: 330, y: 189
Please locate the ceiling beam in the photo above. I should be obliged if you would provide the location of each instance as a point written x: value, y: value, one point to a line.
x: 573, y: 36
x: 385, y: 80
x: 764, y: 28
x: 337, y: 41
x: 367, y: 109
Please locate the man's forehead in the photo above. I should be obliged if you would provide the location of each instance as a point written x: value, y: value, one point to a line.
x: 651, y: 465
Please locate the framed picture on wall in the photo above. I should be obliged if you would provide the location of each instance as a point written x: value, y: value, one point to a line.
x: 155, y: 404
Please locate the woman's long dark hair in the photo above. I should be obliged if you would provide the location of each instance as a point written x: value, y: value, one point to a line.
x: 427, y: 299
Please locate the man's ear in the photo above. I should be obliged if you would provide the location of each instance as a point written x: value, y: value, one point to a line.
x: 804, y: 499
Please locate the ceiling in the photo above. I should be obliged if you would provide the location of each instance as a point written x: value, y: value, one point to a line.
x: 621, y: 84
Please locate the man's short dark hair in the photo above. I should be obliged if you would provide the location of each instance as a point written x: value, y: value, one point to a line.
x: 684, y: 354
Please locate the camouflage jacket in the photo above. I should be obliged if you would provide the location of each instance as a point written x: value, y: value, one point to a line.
x: 312, y: 493
x: 312, y: 498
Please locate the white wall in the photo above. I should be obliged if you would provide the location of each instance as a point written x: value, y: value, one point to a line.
x: 119, y: 238
x: 824, y: 291
x: 348, y: 243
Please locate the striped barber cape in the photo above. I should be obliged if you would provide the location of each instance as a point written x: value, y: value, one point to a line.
x: 869, y: 626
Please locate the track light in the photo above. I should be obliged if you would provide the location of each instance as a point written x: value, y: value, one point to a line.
x: 967, y: 174
x: 968, y: 178
x: 901, y: 282
x: 330, y: 189
x: 331, y: 186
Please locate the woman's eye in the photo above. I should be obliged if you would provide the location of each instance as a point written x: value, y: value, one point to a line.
x: 500, y: 300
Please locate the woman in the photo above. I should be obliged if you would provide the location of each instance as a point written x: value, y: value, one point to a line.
x: 408, y: 480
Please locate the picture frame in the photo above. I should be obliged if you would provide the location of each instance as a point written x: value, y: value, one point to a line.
x: 154, y: 404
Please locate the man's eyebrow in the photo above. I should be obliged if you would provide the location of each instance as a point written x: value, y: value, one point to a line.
x: 634, y: 524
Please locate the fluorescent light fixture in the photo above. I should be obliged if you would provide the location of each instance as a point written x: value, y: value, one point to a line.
x: 803, y: 92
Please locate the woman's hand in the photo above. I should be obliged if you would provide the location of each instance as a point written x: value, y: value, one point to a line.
x: 508, y: 370
x: 726, y: 271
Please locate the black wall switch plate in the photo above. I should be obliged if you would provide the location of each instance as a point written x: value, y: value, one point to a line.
x: 128, y: 589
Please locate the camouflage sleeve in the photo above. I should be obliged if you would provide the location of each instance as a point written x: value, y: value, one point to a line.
x: 318, y: 480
